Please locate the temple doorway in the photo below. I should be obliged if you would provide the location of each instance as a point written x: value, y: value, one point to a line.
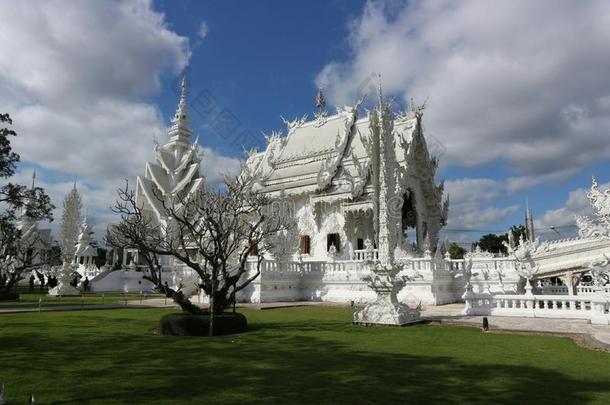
x: 409, y: 219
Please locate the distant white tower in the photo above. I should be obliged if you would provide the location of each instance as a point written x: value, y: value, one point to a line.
x: 529, y: 222
x: 27, y: 223
x: 70, y: 224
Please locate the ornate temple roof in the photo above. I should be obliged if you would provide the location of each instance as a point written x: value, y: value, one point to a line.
x: 294, y: 163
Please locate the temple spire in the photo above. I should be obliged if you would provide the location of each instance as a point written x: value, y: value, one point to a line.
x: 529, y: 222
x: 26, y: 220
x: 180, y: 122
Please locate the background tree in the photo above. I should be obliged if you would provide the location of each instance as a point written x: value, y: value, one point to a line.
x: 20, y: 243
x: 492, y: 243
x: 456, y: 251
x: 101, y: 257
x: 213, y: 232
x: 495, y: 243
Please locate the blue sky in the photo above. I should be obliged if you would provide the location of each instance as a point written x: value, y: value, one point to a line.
x: 259, y: 59
x: 521, y: 107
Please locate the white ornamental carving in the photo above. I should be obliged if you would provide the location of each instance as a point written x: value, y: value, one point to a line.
x: 275, y: 144
x: 331, y: 165
x: 386, y: 310
x: 294, y: 124
x: 306, y: 220
x: 597, y: 227
x: 600, y: 271
x: 478, y: 253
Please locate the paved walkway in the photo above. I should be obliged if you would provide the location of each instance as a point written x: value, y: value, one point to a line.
x: 162, y: 303
x: 58, y: 308
x: 594, y: 335
x: 153, y: 303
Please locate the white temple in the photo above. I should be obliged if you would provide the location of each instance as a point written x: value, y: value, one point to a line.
x: 352, y: 180
x: 363, y: 188
x: 324, y: 167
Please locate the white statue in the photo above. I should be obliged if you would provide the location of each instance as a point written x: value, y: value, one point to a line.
x: 386, y: 310
x: 70, y: 224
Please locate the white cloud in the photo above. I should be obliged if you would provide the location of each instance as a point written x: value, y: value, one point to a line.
x: 204, y: 30
x: 64, y: 52
x: 478, y: 203
x: 475, y: 203
x: 83, y: 68
x: 215, y: 166
x: 96, y: 200
x: 75, y: 77
x: 99, y: 197
x: 521, y: 82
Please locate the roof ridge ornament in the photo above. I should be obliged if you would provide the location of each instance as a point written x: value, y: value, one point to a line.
x: 294, y: 124
x: 321, y: 115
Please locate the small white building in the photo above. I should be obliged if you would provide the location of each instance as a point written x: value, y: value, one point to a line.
x: 86, y: 252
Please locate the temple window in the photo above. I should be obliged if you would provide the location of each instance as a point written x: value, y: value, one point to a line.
x: 360, y: 244
x: 333, y: 239
x: 305, y: 244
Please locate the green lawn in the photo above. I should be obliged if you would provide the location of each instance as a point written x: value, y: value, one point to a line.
x: 30, y: 299
x: 293, y: 355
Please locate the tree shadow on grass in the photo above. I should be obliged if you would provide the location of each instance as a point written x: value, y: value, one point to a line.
x: 273, y: 364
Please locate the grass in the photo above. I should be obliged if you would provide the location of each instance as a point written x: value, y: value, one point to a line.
x: 29, y: 299
x: 294, y: 355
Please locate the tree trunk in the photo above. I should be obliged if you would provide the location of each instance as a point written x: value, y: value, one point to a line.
x: 234, y: 296
x: 212, y: 310
x: 185, y: 304
x: 177, y: 296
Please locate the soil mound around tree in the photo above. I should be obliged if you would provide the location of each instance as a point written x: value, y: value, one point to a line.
x: 199, y: 325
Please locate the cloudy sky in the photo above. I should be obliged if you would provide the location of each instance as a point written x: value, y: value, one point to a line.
x: 517, y: 93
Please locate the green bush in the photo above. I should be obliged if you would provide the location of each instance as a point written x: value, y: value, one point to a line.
x: 199, y: 325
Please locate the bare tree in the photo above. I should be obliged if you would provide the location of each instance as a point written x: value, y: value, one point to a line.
x: 213, y: 232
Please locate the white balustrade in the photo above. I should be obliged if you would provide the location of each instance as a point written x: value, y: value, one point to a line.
x: 589, y: 289
x: 595, y: 309
x: 361, y: 254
